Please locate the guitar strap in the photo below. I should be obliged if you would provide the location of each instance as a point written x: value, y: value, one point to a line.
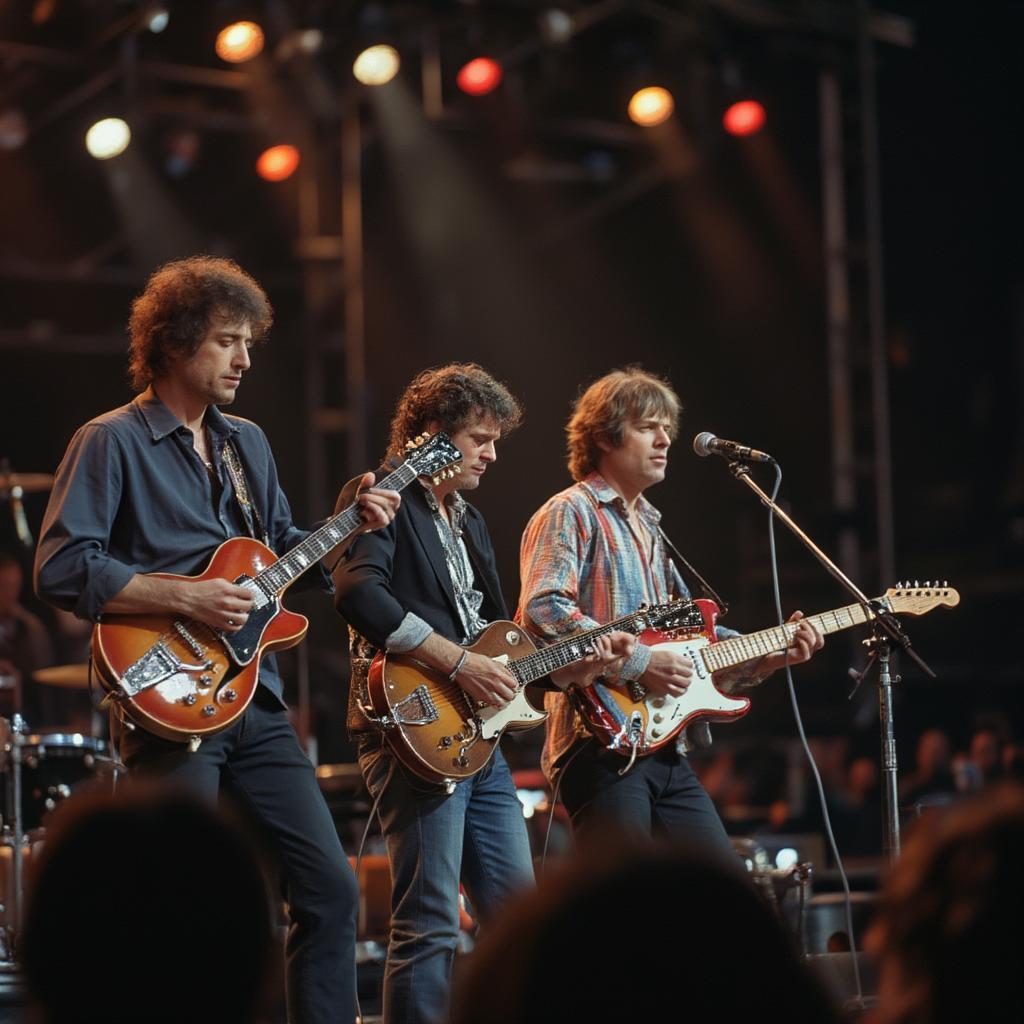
x: 691, y: 576
x: 250, y: 512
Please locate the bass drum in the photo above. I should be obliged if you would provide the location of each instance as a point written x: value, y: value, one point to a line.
x: 55, y: 765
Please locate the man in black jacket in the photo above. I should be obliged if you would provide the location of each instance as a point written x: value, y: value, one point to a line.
x: 425, y: 585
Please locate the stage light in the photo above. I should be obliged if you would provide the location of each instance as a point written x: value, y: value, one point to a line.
x: 479, y: 77
x: 744, y: 118
x: 108, y: 138
x: 651, y: 106
x: 157, y: 18
x: 239, y: 42
x: 376, y: 65
x: 555, y: 26
x: 277, y: 163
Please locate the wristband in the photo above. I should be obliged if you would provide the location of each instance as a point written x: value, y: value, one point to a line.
x: 455, y: 671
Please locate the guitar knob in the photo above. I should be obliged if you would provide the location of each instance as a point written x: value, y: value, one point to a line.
x: 658, y: 702
x: 204, y: 680
x: 230, y: 695
x: 655, y: 733
x: 462, y: 762
x: 657, y: 718
x: 446, y: 741
x: 209, y: 710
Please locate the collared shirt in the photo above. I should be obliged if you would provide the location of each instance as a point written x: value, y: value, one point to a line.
x: 582, y: 564
x: 133, y: 496
x: 460, y: 568
x: 413, y: 629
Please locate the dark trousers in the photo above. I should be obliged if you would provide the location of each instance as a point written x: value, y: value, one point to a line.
x: 659, y: 795
x: 259, y: 761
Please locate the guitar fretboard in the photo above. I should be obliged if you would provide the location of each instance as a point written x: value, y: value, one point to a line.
x: 739, y: 649
x: 570, y: 649
x: 277, y: 577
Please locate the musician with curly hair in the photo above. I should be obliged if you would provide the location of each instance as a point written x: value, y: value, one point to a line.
x: 157, y: 486
x: 425, y: 586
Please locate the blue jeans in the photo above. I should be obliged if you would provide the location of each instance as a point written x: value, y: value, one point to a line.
x: 259, y: 761
x: 476, y: 835
x: 660, y: 794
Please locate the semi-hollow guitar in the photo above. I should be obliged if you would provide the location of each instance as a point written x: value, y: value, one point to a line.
x: 629, y: 720
x: 184, y: 680
x: 439, y: 732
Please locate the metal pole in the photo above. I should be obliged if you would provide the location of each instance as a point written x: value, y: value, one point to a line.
x: 876, y: 299
x: 837, y: 298
x: 352, y: 247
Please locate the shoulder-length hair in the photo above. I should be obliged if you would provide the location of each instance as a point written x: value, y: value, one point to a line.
x: 601, y: 413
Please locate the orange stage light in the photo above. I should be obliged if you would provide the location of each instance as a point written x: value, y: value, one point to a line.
x: 277, y: 163
x: 651, y: 106
x: 239, y: 42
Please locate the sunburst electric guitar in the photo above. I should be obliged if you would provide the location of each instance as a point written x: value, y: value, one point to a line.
x: 184, y: 680
x: 439, y: 732
x: 629, y: 720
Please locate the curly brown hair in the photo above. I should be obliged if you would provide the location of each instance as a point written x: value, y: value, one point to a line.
x: 601, y: 413
x: 182, y: 298
x: 454, y: 396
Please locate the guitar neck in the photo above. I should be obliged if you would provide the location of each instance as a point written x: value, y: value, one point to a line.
x: 738, y: 649
x: 276, y: 578
x: 569, y: 649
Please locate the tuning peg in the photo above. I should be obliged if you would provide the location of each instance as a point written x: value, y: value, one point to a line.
x: 916, y: 584
x: 899, y: 585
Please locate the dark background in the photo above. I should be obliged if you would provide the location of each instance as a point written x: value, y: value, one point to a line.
x: 467, y: 261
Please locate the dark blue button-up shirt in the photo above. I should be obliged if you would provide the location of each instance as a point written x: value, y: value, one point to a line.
x: 131, y: 496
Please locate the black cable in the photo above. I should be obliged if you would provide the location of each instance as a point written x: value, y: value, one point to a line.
x: 807, y: 749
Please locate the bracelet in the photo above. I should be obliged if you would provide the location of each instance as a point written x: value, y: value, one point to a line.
x: 455, y: 671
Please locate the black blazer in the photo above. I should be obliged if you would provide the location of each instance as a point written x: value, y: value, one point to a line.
x: 402, y: 568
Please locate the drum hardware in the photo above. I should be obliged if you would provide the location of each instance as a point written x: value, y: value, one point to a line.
x: 13, y: 487
x: 40, y: 771
x: 74, y: 677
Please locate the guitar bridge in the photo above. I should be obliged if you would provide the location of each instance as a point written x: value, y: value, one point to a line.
x: 416, y: 709
x: 156, y: 665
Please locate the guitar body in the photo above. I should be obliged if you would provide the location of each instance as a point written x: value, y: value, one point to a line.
x: 194, y: 680
x: 432, y: 724
x: 625, y: 717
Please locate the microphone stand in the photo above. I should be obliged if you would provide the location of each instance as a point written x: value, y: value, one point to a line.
x: 885, y: 632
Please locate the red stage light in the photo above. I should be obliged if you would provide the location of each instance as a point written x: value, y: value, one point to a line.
x: 480, y: 76
x: 277, y: 163
x: 744, y: 118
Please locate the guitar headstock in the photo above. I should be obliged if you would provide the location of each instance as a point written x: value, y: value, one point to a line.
x: 918, y: 599
x: 434, y: 456
x: 672, y: 615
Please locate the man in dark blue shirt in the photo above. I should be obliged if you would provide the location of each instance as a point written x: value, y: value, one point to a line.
x: 150, y: 488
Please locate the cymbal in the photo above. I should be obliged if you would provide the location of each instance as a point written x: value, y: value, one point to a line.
x: 73, y: 677
x: 28, y: 482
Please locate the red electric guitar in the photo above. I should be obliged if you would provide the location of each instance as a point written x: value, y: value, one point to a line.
x: 184, y: 680
x: 627, y: 719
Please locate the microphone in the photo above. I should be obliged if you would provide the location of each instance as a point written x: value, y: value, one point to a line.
x: 706, y: 443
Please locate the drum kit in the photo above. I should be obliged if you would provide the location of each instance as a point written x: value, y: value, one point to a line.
x: 38, y: 770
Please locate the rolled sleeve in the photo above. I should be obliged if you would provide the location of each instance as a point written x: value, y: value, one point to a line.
x: 636, y: 664
x: 411, y: 632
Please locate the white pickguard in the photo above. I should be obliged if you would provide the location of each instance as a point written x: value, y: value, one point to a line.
x: 665, y: 713
x: 518, y: 711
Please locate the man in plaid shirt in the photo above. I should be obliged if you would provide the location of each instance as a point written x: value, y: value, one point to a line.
x: 594, y: 552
